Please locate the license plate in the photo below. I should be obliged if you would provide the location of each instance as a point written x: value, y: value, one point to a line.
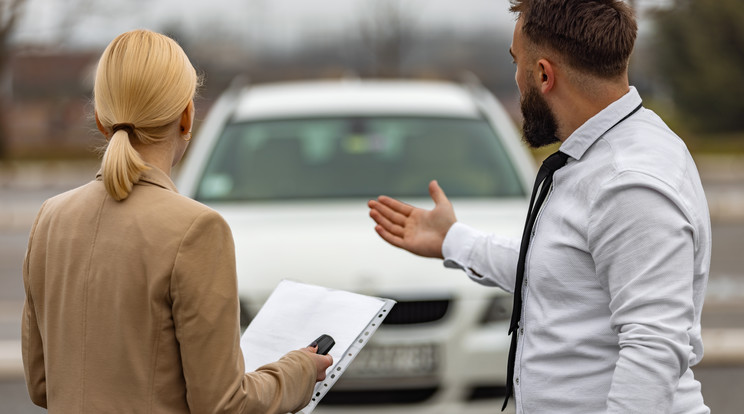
x: 376, y: 361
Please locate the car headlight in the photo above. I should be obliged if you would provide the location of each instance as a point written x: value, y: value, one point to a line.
x: 499, y: 309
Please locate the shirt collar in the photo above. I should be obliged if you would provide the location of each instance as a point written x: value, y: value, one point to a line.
x: 587, y: 134
x: 154, y: 176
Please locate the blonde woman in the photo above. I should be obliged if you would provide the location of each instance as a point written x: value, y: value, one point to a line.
x: 131, y: 296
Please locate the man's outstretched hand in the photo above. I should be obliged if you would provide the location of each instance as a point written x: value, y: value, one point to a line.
x: 414, y: 229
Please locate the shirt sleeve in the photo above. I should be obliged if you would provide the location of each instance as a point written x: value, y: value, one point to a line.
x: 486, y: 258
x: 642, y: 242
x: 32, y: 349
x: 206, y: 317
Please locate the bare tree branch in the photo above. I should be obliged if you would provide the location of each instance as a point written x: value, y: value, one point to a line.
x: 387, y: 32
x: 10, y: 11
x: 74, y: 10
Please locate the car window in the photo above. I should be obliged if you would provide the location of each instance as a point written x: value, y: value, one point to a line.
x: 343, y: 157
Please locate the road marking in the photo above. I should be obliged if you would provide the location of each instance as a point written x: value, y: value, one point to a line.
x: 11, y: 362
x: 723, y: 347
x: 724, y: 288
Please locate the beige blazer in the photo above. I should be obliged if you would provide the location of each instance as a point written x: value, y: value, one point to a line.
x: 132, y: 307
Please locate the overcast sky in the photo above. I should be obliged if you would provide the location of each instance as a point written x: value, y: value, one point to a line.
x: 282, y: 22
x: 277, y: 23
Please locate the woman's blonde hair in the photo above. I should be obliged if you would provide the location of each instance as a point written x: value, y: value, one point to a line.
x: 144, y: 82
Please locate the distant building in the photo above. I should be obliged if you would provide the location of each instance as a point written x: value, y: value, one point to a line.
x: 50, y: 111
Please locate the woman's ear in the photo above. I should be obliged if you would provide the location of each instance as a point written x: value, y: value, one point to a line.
x: 100, y: 126
x: 187, y: 118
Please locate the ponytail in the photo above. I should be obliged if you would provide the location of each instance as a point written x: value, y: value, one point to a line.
x: 143, y: 79
x: 122, y: 165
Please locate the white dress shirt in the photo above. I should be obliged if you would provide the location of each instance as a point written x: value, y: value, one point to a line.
x: 615, y: 273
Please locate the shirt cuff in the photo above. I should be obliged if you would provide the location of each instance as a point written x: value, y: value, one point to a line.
x: 458, y: 245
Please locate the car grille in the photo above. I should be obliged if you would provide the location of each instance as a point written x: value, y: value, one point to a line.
x: 486, y: 392
x: 405, y: 312
x: 419, y: 311
x: 378, y: 396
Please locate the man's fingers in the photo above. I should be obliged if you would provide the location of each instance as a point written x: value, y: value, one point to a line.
x: 384, y: 215
x: 396, y: 205
x: 387, y: 212
x: 389, y: 237
x: 436, y: 193
x: 386, y: 224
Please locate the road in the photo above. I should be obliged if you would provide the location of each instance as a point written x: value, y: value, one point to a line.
x: 721, y: 372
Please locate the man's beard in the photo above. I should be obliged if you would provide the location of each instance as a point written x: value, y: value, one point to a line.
x: 539, y: 126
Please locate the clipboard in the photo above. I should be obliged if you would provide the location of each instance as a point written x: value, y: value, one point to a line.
x: 296, y: 313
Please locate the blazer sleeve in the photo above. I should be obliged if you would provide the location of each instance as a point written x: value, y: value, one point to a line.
x: 206, y: 317
x: 32, y: 346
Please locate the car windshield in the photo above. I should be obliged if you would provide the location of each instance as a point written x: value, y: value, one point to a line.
x: 348, y: 157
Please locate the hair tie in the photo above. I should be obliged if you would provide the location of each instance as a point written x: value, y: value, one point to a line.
x: 125, y: 126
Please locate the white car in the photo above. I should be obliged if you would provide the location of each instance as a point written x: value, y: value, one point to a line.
x: 291, y: 166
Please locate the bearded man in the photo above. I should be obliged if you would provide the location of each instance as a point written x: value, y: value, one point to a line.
x: 610, y: 274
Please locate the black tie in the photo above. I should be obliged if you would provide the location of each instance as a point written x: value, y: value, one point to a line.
x: 543, y: 182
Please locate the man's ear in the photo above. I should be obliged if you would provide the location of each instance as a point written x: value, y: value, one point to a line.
x: 99, y: 125
x: 546, y: 75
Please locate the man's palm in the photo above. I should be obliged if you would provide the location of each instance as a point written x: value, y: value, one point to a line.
x: 414, y: 229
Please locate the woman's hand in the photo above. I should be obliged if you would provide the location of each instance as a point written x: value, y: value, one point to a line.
x: 414, y: 229
x: 322, y: 362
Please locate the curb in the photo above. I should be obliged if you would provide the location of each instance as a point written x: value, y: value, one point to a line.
x: 17, y: 216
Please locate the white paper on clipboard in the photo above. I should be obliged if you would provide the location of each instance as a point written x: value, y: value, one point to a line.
x: 296, y: 314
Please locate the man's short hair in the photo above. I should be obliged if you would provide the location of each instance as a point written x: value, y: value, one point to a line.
x: 594, y: 36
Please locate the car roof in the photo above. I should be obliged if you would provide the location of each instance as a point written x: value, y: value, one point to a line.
x: 355, y: 97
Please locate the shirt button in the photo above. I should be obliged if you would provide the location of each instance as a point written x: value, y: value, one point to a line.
x: 516, y: 381
x: 525, y: 282
x: 521, y: 331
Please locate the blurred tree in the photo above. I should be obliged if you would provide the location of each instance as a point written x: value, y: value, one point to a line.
x: 699, y: 57
x: 387, y: 32
x: 10, y: 11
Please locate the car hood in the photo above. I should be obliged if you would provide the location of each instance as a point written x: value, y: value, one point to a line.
x: 334, y: 244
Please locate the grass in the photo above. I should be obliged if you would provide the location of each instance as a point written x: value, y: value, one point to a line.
x: 731, y: 143
x: 541, y: 153
x: 699, y: 142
